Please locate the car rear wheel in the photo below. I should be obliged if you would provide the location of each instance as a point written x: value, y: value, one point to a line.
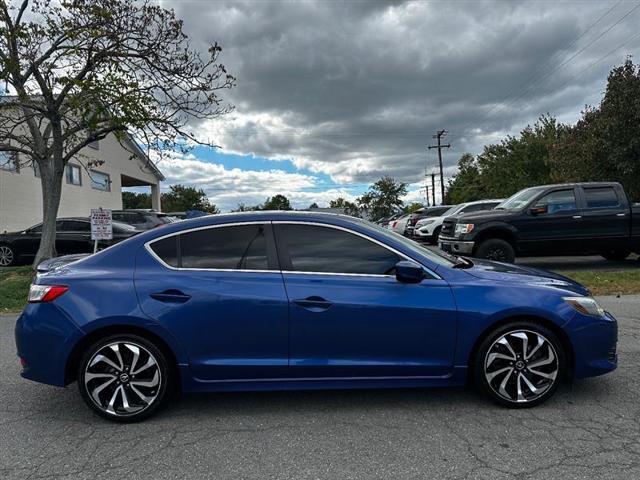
x: 7, y: 256
x: 496, y: 249
x: 124, y: 378
x: 519, y: 365
x: 616, y: 255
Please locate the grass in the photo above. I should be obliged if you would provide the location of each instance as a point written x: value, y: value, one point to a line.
x: 15, y: 281
x: 617, y: 282
x: 14, y: 288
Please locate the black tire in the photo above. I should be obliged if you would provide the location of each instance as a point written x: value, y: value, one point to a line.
x: 148, y: 352
x: 616, y: 255
x: 496, y: 249
x: 482, y: 369
x: 435, y: 236
x: 8, y: 255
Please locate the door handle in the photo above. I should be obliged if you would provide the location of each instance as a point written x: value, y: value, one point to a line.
x: 620, y: 214
x: 577, y: 217
x: 313, y: 303
x: 171, y: 296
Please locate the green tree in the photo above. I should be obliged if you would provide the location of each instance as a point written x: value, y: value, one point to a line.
x: 277, y: 202
x: 349, y: 208
x: 313, y: 205
x: 383, y: 198
x: 80, y: 70
x: 412, y: 207
x: 181, y: 199
x: 136, y: 200
x: 604, y: 145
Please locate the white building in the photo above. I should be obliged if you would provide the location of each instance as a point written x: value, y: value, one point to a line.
x: 83, y: 188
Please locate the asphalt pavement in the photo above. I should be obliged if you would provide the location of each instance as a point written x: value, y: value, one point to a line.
x: 590, y: 429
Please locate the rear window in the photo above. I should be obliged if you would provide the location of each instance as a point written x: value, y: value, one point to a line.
x: 239, y: 247
x: 601, y: 197
x: 167, y: 250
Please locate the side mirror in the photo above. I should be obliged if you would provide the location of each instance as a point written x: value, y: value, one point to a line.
x: 409, y: 272
x: 538, y: 209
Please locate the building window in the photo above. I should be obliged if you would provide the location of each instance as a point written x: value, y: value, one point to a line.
x: 73, y: 175
x: 9, y: 162
x: 100, y: 181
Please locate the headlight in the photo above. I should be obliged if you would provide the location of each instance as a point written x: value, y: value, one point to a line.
x: 422, y: 223
x: 463, y: 228
x: 585, y: 305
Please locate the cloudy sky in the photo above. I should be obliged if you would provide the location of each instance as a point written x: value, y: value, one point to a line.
x: 332, y: 94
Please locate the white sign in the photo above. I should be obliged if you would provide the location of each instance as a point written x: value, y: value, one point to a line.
x: 101, y: 224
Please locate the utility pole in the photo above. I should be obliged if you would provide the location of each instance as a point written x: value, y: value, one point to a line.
x: 433, y: 188
x: 439, y: 135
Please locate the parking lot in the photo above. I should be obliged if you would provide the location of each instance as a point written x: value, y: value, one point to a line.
x: 590, y: 429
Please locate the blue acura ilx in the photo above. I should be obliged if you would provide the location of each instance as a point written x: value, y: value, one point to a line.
x: 281, y: 300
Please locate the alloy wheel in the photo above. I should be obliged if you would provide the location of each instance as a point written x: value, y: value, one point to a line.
x: 6, y: 256
x: 122, y: 378
x: 521, y: 365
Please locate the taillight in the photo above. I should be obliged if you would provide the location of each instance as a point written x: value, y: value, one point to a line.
x: 394, y: 225
x: 45, y: 293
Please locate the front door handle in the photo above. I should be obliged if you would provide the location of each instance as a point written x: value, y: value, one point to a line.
x: 171, y: 296
x: 314, y: 303
x: 577, y: 217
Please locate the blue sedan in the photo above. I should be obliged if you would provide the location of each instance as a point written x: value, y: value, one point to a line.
x: 280, y: 300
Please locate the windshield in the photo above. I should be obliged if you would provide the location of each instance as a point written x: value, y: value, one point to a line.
x: 520, y: 199
x: 450, y: 211
x: 438, y: 257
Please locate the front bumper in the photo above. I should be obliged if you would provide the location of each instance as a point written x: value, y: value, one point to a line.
x: 595, y: 345
x: 452, y: 245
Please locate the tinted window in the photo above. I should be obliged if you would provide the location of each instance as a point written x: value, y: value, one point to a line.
x: 558, y: 201
x: 75, y: 226
x: 322, y: 249
x: 242, y: 247
x: 601, y: 197
x: 167, y: 250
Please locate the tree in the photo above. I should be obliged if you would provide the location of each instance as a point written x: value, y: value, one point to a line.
x: 412, y: 207
x: 136, y: 200
x: 349, y: 208
x: 383, y: 198
x: 80, y: 70
x: 277, y: 202
x: 466, y: 185
x: 604, y: 145
x: 313, y: 205
x: 181, y: 199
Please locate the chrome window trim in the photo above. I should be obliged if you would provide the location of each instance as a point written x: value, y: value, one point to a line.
x: 148, y: 248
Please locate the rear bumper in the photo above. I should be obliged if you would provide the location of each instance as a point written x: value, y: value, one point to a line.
x: 451, y: 245
x: 44, y: 337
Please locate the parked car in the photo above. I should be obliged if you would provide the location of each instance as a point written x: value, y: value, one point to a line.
x: 290, y: 300
x: 73, y: 235
x: 400, y: 224
x: 428, y: 229
x: 187, y: 214
x: 388, y: 221
x: 142, y: 219
x: 567, y: 219
x: 426, y: 212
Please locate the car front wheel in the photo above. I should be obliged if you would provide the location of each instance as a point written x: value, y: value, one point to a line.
x: 496, y: 249
x: 123, y: 378
x: 519, y: 365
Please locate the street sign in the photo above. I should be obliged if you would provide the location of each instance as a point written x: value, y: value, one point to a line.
x: 101, y: 224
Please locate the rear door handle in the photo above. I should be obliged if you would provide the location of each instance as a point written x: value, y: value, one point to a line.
x: 620, y: 214
x: 577, y: 217
x: 171, y: 296
x: 313, y: 303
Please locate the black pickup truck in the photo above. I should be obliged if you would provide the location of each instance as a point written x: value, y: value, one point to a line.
x: 567, y: 219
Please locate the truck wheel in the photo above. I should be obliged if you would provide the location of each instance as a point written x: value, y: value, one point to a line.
x: 616, y: 255
x: 496, y: 249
